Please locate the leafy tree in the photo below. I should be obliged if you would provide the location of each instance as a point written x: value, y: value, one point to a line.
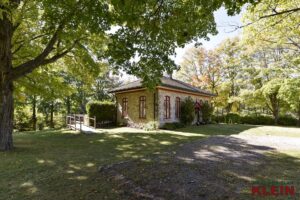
x: 263, y: 65
x: 252, y: 101
x: 290, y: 93
x: 43, y: 90
x: 201, y: 68
x: 53, y: 29
x: 221, y: 100
x: 230, y: 55
x: 270, y: 92
x: 102, y: 85
x: 273, y: 22
x: 276, y: 23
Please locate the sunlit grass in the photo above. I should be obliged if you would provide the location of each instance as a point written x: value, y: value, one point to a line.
x: 62, y: 164
x: 273, y: 131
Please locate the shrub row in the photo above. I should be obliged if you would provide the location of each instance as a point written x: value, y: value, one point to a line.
x: 173, y: 126
x: 103, y: 110
x: 255, y: 120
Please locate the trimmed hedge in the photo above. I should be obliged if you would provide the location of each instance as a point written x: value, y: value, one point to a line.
x: 172, y: 126
x: 287, y: 121
x: 233, y: 118
x: 257, y: 120
x: 103, y: 110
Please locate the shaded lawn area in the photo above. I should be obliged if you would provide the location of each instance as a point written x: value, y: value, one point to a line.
x: 63, y: 165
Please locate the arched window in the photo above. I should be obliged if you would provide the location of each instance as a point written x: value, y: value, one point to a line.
x: 124, y: 107
x: 167, y: 107
x: 142, y: 107
x: 177, y: 107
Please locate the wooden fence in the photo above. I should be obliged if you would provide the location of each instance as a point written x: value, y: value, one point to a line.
x: 80, y: 121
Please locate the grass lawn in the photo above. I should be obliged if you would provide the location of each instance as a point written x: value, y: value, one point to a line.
x: 63, y: 164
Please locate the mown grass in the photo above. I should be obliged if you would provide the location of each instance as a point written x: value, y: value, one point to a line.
x: 62, y: 164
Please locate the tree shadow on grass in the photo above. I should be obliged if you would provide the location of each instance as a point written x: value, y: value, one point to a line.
x: 216, y: 168
x: 60, y: 165
x: 64, y: 165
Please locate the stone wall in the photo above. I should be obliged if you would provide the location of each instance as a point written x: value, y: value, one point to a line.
x: 133, y: 119
x: 154, y: 106
x: 173, y: 94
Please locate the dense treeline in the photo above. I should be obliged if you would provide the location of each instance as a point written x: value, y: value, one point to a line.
x: 45, y: 97
x: 257, y: 74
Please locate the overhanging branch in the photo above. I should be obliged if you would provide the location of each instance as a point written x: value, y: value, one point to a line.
x: 30, y: 65
x: 22, y: 70
x: 275, y: 13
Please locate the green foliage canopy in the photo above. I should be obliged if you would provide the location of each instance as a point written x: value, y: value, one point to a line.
x: 149, y: 30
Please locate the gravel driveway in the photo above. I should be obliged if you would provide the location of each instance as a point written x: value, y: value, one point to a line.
x: 280, y: 143
x: 220, y: 167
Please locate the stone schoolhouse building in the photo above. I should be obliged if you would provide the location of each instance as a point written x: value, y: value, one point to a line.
x: 137, y: 106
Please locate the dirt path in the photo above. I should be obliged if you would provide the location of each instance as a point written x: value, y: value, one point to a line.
x: 280, y: 143
x: 220, y: 167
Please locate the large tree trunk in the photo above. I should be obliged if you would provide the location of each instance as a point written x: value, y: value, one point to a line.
x: 6, y: 85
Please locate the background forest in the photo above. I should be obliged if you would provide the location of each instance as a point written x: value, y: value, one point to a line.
x: 255, y: 75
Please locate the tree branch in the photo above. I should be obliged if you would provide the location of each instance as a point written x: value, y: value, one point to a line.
x: 30, y: 65
x: 294, y: 43
x: 22, y: 70
x: 280, y: 13
x: 275, y: 13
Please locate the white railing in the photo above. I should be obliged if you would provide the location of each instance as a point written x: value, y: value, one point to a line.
x: 76, y: 121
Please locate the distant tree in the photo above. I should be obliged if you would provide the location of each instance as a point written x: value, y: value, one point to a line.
x: 201, y: 68
x: 270, y: 92
x: 230, y: 52
x: 262, y: 67
x: 290, y: 92
x: 102, y: 85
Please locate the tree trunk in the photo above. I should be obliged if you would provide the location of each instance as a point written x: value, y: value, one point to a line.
x: 275, y: 107
x: 6, y: 85
x: 299, y: 116
x: 51, y: 115
x: 276, y: 116
x: 68, y: 103
x: 229, y: 107
x: 34, y: 118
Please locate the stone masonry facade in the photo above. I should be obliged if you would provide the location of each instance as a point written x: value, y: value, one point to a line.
x: 155, y: 108
x: 173, y: 94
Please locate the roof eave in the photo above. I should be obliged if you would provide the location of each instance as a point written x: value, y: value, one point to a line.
x: 164, y: 85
